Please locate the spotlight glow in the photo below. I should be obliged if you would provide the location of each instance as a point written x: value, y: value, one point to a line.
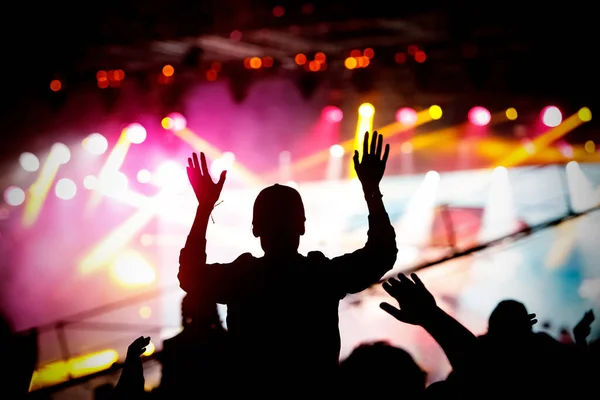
x: 177, y: 122
x: 136, y: 133
x: 14, y: 196
x: 479, y: 116
x: 336, y: 151
x: 435, y: 112
x: 95, y: 144
x: 366, y: 110
x: 65, y: 189
x: 551, y: 116
x: 332, y: 114
x: 29, y: 162
x: 406, y: 116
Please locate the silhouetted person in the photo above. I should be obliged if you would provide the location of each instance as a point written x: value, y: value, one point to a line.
x: 131, y: 382
x: 19, y: 353
x: 198, y: 355
x: 283, y: 307
x: 380, y: 368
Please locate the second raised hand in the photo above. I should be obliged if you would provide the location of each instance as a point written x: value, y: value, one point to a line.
x: 206, y: 190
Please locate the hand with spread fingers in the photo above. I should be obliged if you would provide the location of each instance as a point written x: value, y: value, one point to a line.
x: 371, y: 167
x: 415, y: 301
x: 206, y: 190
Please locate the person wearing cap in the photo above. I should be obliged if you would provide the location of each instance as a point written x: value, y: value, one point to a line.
x: 282, y: 308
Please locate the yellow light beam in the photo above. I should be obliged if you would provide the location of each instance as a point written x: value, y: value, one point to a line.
x: 201, y: 145
x: 113, y: 163
x: 38, y: 191
x: 521, y: 154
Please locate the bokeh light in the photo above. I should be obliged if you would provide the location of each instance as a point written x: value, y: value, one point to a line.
x: 585, y: 114
x: 14, y: 196
x: 336, y: 151
x: 178, y: 122
x: 90, y: 182
x: 95, y: 144
x: 144, y: 176
x: 479, y: 116
x: 512, y: 114
x: 136, y: 133
x: 333, y: 114
x: 65, y: 189
x: 61, y: 152
x: 590, y: 146
x: 29, y: 162
x: 435, y: 112
x: 366, y: 110
x: 551, y: 116
x: 406, y: 116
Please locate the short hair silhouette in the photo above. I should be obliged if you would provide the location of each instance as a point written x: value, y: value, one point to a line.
x: 509, y: 316
x: 278, y: 218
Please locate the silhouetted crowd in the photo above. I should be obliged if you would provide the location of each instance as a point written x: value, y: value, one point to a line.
x: 283, y: 340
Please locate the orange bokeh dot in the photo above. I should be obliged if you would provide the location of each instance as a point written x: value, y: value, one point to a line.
x: 320, y: 57
x: 314, y: 66
x: 101, y: 75
x: 278, y: 11
x: 400, y: 58
x: 369, y: 53
x: 211, y: 75
x: 168, y: 70
x: 55, y: 85
x: 350, y: 63
x: 300, y: 59
x: 363, y: 62
x: 267, y: 62
x: 255, y: 63
x: 355, y: 53
x: 247, y: 63
x: 119, y: 75
x: 420, y: 56
x: 103, y: 83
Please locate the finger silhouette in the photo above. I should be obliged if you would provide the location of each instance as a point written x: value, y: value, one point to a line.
x: 190, y: 163
x: 365, y: 145
x: 532, y: 319
x: 417, y: 280
x: 379, y: 146
x: 386, y: 153
x: 393, y: 311
x: 355, y: 159
x: 374, y: 138
x: 221, y: 180
x: 204, y: 165
x: 196, y: 163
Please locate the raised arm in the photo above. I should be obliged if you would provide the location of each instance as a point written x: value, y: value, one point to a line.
x: 195, y: 275
x: 357, y: 271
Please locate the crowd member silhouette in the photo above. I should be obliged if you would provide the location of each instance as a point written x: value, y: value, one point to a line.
x: 20, y: 354
x: 131, y: 382
x: 197, y: 355
x: 282, y: 308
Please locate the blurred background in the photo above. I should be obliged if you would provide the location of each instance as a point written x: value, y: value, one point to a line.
x: 493, y: 180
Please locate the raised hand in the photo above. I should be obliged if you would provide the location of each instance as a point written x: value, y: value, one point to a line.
x: 131, y: 382
x: 370, y: 169
x: 137, y: 348
x: 583, y: 328
x: 207, y: 192
x: 415, y: 301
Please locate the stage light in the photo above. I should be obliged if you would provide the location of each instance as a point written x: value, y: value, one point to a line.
x: 366, y: 110
x: 95, y: 144
x: 114, y: 184
x: 332, y: 114
x: 65, y: 189
x: 90, y: 182
x: 14, y: 196
x: 585, y: 114
x: 512, y: 114
x: 479, y: 116
x: 61, y: 153
x: 144, y: 176
x: 590, y: 146
x: 136, y: 133
x: 435, y: 112
x: 551, y: 116
x: 406, y: 116
x: 336, y: 151
x: 29, y: 162
x: 170, y: 173
x: 178, y: 121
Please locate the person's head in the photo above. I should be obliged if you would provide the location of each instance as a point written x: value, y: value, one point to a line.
x: 278, y: 219
x: 510, y: 317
